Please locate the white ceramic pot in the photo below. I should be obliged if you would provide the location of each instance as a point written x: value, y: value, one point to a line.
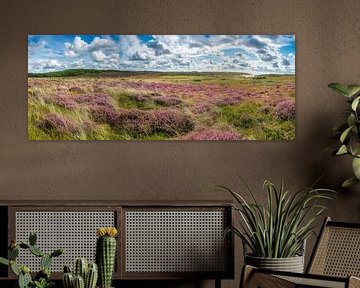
x: 291, y: 264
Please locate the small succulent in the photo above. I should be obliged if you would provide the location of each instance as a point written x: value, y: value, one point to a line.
x: 43, y: 283
x: 84, y: 275
x: 42, y: 278
x: 349, y: 131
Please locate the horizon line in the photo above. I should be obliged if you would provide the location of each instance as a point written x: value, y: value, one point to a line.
x: 158, y: 71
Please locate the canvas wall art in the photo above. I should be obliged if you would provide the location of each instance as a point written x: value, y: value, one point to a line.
x: 161, y: 87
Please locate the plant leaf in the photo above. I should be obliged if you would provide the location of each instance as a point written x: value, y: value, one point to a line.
x: 349, y: 182
x: 340, y: 88
x: 4, y: 261
x: 355, y: 103
x: 342, y: 150
x: 353, y: 89
x: 356, y: 167
x: 351, y: 119
x: 345, y: 134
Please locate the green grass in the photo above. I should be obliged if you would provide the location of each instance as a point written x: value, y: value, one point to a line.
x: 72, y: 73
x: 255, y: 122
x: 249, y: 118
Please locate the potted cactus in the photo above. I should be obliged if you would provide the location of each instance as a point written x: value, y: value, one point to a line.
x: 84, y: 275
x: 42, y: 278
x: 106, y: 254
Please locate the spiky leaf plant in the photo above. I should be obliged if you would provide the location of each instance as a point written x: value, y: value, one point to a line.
x: 279, y: 229
x: 349, y: 131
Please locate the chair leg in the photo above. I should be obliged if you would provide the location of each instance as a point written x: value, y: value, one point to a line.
x: 217, y: 283
x: 354, y: 282
x: 251, y: 279
x: 246, y: 274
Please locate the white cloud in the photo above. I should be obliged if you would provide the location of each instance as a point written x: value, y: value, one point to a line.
x: 45, y: 64
x: 98, y: 56
x: 139, y: 56
x: 78, y: 64
x: 37, y: 45
x: 242, y: 53
x: 76, y: 47
x: 79, y: 46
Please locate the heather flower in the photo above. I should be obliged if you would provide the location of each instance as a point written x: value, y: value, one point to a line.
x: 172, y: 122
x: 98, y: 89
x: 139, y: 98
x: 95, y: 99
x: 88, y: 126
x: 76, y: 90
x: 136, y: 121
x: 229, y: 101
x: 211, y: 135
x: 65, y: 101
x: 167, y: 121
x: 58, y: 123
x: 285, y: 110
x: 103, y: 114
x: 166, y: 101
x: 200, y: 108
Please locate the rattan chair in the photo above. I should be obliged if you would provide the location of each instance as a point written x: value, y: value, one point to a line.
x: 334, y: 263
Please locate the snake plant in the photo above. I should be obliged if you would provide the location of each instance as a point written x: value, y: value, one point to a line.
x: 279, y: 228
x: 349, y: 131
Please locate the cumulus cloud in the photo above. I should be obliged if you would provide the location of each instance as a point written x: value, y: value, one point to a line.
x: 77, y: 64
x: 45, y: 64
x: 98, y: 56
x: 254, y: 42
x: 159, y: 47
x: 139, y: 56
x: 79, y: 46
x: 37, y: 45
x: 239, y: 53
x: 285, y: 62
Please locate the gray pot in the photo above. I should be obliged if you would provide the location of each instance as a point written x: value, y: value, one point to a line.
x: 291, y: 264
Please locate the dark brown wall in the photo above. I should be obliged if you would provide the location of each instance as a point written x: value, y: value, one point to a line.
x: 327, y: 40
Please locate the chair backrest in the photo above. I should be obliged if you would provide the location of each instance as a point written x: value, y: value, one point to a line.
x: 337, y: 251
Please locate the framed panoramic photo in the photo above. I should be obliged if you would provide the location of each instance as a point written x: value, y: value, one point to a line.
x: 161, y: 87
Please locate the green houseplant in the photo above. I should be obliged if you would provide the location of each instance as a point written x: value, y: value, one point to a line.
x: 348, y: 132
x: 275, y: 233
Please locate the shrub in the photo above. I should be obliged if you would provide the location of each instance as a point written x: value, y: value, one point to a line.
x: 166, y: 101
x: 76, y: 90
x: 200, y: 108
x: 172, y: 122
x: 139, y: 98
x: 95, y: 99
x: 228, y: 101
x: 63, y: 100
x: 103, y: 114
x: 211, y: 135
x: 285, y: 110
x: 245, y: 115
x: 58, y: 123
x: 136, y: 121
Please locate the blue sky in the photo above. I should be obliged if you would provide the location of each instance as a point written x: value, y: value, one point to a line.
x: 255, y: 54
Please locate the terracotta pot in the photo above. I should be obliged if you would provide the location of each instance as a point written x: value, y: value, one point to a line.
x: 291, y: 264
